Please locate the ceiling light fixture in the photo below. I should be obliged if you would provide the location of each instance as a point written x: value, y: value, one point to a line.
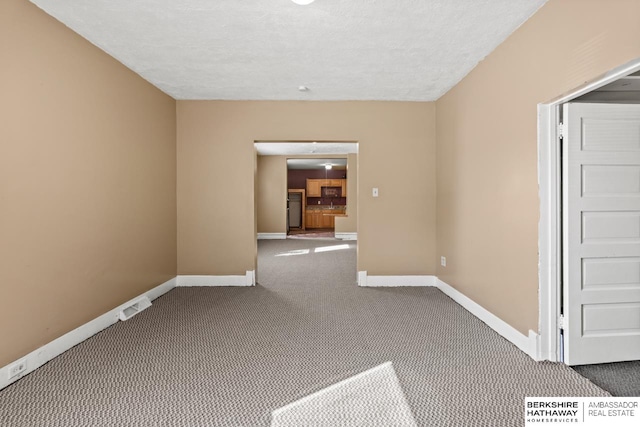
x: 303, y: 88
x: 302, y: 2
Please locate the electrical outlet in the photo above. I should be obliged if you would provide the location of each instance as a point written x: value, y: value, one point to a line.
x: 17, y: 368
x: 443, y: 261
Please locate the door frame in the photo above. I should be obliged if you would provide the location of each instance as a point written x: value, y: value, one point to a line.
x: 550, y: 226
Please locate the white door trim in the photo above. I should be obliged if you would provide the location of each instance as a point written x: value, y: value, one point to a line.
x: 549, y: 230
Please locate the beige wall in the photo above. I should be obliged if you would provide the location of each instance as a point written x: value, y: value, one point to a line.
x: 487, y: 199
x: 216, y: 157
x: 272, y: 194
x: 87, y: 181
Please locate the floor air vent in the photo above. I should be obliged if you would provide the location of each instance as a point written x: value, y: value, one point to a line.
x: 134, y: 308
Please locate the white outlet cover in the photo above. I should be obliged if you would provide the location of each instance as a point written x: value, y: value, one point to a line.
x: 443, y: 261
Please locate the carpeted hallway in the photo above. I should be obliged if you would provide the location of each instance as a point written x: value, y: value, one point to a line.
x: 230, y: 356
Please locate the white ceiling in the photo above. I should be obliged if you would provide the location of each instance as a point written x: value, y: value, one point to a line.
x: 316, y: 163
x: 630, y: 83
x: 305, y: 148
x: 404, y: 50
x: 624, y: 90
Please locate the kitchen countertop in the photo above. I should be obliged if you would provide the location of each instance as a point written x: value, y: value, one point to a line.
x: 325, y: 207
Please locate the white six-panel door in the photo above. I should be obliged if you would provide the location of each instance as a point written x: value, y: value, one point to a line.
x: 601, y: 233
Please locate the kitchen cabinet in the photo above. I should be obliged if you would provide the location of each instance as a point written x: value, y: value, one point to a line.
x: 314, y: 219
x: 314, y: 188
x: 322, y: 218
x: 328, y: 221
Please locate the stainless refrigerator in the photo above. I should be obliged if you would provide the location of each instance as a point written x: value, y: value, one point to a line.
x: 294, y: 205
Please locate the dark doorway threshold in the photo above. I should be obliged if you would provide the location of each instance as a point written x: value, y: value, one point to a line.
x: 619, y: 379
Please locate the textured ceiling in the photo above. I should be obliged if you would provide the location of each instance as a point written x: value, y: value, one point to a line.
x: 305, y: 148
x: 316, y: 163
x: 404, y: 50
x: 313, y: 149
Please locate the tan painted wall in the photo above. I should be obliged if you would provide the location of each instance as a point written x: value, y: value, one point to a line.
x: 349, y: 224
x: 488, y: 207
x: 272, y: 194
x: 87, y: 181
x: 216, y: 212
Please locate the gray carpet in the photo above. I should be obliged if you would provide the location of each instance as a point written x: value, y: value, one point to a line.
x: 619, y: 379
x: 230, y: 356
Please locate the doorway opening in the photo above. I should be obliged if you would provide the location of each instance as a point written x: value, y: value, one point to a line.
x: 555, y: 161
x: 306, y: 190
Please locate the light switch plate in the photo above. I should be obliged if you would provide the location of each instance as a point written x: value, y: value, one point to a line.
x: 375, y: 192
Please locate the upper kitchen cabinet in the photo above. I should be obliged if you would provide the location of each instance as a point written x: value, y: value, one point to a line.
x: 314, y: 188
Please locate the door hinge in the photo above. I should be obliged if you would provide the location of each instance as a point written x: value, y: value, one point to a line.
x: 561, y: 321
x: 561, y: 130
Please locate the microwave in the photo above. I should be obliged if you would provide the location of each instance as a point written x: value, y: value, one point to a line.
x: 331, y: 191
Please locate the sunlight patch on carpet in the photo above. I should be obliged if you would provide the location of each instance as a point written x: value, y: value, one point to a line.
x: 373, y: 397
x: 294, y: 253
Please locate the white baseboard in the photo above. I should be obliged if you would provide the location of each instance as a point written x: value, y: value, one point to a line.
x: 42, y: 355
x: 272, y: 236
x: 365, y: 280
x: 249, y: 279
x: 158, y: 291
x: 528, y: 344
x: 346, y: 236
